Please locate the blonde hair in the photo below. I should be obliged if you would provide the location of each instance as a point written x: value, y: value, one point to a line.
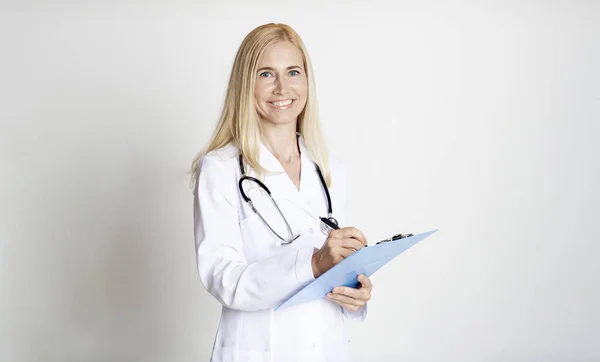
x: 239, y: 122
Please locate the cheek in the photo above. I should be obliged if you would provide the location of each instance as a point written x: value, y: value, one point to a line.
x: 261, y: 90
x: 302, y: 88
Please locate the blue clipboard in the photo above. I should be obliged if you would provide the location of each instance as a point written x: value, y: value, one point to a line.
x: 364, y: 261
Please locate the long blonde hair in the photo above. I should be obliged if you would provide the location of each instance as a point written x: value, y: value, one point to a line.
x: 239, y: 122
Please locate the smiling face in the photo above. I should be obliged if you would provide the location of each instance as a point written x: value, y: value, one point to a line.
x: 281, y: 85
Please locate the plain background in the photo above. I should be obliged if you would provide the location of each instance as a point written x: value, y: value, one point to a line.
x: 477, y: 118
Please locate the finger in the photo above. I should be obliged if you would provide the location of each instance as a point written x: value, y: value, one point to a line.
x: 365, y: 282
x: 348, y: 307
x: 342, y: 299
x: 355, y: 234
x: 343, y: 252
x: 349, y: 232
x: 348, y: 292
x: 351, y: 243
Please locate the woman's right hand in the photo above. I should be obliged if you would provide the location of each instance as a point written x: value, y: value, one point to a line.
x: 339, y: 245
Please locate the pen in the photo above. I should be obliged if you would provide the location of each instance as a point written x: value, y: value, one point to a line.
x: 331, y: 224
x: 334, y: 226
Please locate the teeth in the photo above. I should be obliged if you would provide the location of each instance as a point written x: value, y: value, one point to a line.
x: 282, y: 103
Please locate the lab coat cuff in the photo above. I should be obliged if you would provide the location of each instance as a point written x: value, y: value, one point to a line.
x: 304, y: 272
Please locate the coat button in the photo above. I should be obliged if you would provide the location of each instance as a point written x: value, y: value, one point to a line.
x: 311, y: 230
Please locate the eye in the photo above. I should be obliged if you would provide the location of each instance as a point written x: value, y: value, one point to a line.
x: 294, y: 73
x: 265, y: 74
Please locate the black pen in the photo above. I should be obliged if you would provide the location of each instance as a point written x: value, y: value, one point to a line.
x: 331, y: 224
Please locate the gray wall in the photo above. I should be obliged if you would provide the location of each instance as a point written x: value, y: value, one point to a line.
x: 480, y: 119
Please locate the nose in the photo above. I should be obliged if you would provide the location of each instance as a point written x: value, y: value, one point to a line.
x: 281, y: 85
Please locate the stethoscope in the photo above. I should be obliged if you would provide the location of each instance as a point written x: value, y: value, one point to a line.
x: 327, y: 223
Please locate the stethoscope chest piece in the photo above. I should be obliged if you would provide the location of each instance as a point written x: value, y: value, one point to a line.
x: 326, y: 229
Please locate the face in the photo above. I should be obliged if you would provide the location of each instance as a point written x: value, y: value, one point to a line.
x: 281, y: 85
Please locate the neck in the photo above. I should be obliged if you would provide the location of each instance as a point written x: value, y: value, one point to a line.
x: 282, y: 143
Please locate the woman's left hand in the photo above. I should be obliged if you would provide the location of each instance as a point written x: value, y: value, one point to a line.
x: 350, y: 298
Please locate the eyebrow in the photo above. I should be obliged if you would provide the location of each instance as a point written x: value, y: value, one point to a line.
x: 273, y: 69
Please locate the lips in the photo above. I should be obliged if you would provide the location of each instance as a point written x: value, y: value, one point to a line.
x: 282, y: 104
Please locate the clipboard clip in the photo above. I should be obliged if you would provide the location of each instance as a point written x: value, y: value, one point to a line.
x: 395, y: 237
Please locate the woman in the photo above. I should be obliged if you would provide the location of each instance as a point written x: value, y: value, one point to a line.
x: 253, y: 252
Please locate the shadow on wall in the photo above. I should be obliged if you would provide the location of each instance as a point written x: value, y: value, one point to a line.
x: 156, y: 307
x: 100, y: 239
x: 125, y: 283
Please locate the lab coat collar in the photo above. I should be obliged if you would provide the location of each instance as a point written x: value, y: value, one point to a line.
x: 307, y: 161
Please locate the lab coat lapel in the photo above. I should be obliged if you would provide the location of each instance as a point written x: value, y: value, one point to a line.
x: 310, y: 183
x: 307, y: 171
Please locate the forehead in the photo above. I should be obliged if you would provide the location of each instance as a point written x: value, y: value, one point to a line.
x: 281, y: 55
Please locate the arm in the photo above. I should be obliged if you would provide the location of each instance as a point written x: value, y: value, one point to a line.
x: 222, y: 266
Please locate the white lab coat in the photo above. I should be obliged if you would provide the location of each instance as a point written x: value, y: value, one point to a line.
x: 245, y: 267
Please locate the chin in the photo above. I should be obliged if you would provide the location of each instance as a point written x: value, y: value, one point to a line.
x: 280, y: 121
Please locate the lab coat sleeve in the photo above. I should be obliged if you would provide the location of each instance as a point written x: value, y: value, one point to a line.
x: 340, y: 180
x: 222, y: 267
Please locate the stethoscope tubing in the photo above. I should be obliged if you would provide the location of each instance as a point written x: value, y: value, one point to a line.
x: 247, y: 199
